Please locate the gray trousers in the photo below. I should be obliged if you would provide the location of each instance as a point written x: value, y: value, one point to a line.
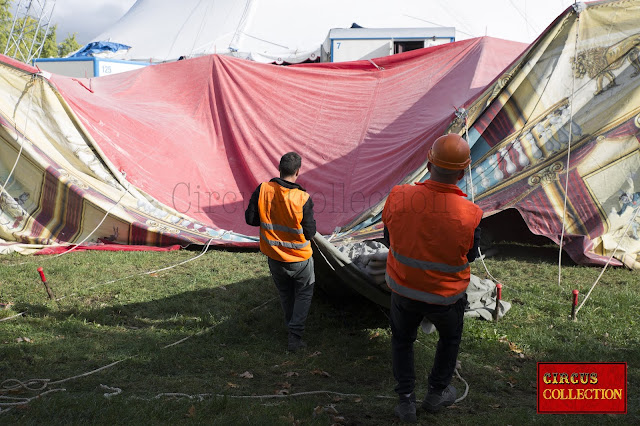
x: 294, y: 281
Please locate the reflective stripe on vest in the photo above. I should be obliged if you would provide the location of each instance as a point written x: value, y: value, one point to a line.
x: 428, y: 266
x: 283, y: 243
x: 281, y: 213
x: 276, y: 227
x: 429, y: 241
x: 422, y: 296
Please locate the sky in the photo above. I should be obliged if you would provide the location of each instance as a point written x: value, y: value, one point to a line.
x: 497, y: 18
x: 87, y: 18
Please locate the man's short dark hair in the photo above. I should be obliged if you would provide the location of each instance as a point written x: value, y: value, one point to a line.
x: 289, y: 163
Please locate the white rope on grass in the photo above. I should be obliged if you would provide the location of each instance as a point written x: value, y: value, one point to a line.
x: 15, y: 384
x: 113, y: 391
x: 202, y: 252
x: 14, y: 316
x: 201, y: 396
x: 16, y: 402
x: 213, y: 326
x: 466, y: 391
x: 10, y: 385
x: 633, y: 218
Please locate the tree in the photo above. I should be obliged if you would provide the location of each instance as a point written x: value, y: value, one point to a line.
x: 68, y: 45
x: 50, y: 46
x: 5, y: 23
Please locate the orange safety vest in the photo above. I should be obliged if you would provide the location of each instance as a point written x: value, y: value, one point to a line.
x: 431, y: 229
x: 281, y: 235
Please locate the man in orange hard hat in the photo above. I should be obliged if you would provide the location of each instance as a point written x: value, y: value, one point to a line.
x: 284, y: 212
x: 433, y: 234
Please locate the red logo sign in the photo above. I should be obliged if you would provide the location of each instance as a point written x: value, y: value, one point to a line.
x: 582, y: 388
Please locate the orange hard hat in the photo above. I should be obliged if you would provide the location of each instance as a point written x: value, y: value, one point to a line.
x: 450, y: 152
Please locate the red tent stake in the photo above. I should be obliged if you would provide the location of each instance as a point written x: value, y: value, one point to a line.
x: 496, y: 311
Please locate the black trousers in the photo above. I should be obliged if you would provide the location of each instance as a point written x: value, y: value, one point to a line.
x: 295, y: 282
x: 406, y: 316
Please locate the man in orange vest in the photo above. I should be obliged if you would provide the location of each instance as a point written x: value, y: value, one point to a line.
x: 433, y: 234
x: 284, y: 212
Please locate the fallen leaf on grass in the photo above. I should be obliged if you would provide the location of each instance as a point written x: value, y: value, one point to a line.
x: 374, y: 335
x: 283, y: 364
x: 192, y: 412
x: 282, y: 392
x: 514, y: 348
x: 221, y: 358
x: 494, y: 405
x: 291, y: 420
x: 23, y: 339
x: 153, y: 275
x: 329, y: 409
x: 357, y: 399
x: 318, y: 372
x: 337, y: 399
x: 291, y: 374
x: 316, y: 353
x: 246, y: 375
x: 338, y: 420
x: 232, y: 385
x: 284, y: 385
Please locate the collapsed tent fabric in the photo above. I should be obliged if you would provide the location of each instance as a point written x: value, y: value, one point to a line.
x: 174, y: 150
x: 56, y: 185
x: 566, y: 127
x: 563, y: 123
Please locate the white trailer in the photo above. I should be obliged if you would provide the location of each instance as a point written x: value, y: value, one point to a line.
x: 86, y: 67
x: 352, y: 44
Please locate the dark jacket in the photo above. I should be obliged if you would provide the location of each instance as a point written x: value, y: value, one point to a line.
x: 252, y: 214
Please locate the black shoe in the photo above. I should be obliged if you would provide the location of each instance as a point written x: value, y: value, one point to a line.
x: 406, y: 409
x: 435, y: 400
x: 295, y: 343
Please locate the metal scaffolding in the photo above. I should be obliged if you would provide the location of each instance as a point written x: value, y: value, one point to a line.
x: 29, y: 29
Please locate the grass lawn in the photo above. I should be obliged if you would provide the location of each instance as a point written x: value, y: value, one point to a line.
x: 204, y: 343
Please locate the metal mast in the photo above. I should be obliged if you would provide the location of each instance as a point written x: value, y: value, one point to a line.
x: 29, y: 29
